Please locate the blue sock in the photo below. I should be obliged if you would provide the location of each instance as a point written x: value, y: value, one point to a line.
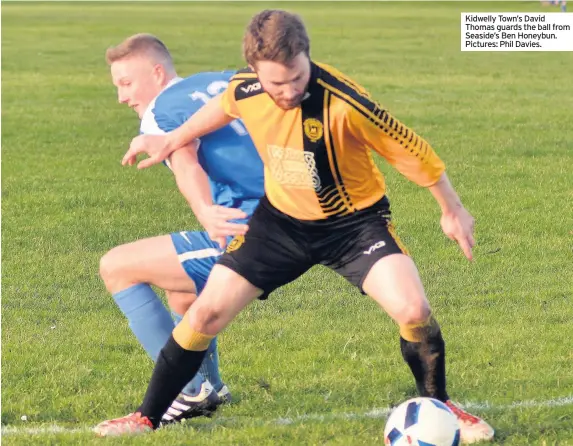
x: 151, y: 323
x: 193, y: 387
x: 210, y: 365
x: 148, y: 318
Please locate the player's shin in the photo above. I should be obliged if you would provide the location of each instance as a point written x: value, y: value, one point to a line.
x: 178, y: 362
x: 423, y: 349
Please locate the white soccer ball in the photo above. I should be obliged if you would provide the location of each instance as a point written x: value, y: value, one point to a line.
x: 422, y: 422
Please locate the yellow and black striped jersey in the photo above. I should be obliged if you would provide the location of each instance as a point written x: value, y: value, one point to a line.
x: 317, y: 157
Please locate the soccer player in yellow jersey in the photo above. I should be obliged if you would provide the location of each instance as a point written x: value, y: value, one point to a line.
x: 325, y: 203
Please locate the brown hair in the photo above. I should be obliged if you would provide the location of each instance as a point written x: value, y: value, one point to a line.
x: 275, y: 35
x: 141, y: 44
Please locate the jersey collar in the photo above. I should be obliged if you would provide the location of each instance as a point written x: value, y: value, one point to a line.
x: 172, y: 82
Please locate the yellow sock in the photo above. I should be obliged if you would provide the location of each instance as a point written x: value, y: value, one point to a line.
x: 190, y: 339
x: 420, y: 331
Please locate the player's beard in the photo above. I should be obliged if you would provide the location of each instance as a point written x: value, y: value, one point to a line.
x: 288, y: 105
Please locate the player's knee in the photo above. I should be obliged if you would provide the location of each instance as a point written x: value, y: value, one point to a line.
x: 414, y: 312
x: 206, y: 319
x: 417, y: 323
x: 189, y: 337
x: 427, y: 330
x: 110, y: 270
x: 106, y: 267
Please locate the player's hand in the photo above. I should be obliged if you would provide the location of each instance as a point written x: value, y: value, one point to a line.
x: 215, y: 220
x: 156, y: 146
x: 458, y: 225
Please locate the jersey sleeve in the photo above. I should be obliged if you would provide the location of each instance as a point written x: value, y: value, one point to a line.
x: 410, y: 154
x: 229, y: 101
x: 156, y: 124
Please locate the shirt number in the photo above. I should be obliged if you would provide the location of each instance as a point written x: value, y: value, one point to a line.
x: 213, y: 89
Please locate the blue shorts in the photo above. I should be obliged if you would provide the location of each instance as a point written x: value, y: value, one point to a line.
x: 197, y: 254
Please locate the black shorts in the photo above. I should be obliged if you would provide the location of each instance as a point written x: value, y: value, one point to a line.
x: 277, y: 249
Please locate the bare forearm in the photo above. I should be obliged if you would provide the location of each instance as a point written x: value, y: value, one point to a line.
x: 195, y: 186
x: 192, y: 180
x: 209, y: 118
x: 445, y: 194
x: 457, y: 223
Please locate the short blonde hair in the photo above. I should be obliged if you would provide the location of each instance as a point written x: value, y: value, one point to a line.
x: 141, y: 44
x: 275, y: 35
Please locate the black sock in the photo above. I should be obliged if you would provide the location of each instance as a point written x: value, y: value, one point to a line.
x: 427, y: 360
x: 175, y: 367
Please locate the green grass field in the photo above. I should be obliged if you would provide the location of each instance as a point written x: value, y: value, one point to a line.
x: 318, y: 363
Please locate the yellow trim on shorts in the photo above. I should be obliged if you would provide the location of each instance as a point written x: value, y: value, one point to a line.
x: 392, y: 232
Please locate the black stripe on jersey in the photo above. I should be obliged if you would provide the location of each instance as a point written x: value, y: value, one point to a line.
x: 244, y: 74
x: 329, y: 205
x: 313, y: 135
x: 378, y: 116
x: 349, y: 90
x: 328, y: 195
x: 336, y: 210
x: 332, y: 150
x: 359, y: 89
x: 248, y: 89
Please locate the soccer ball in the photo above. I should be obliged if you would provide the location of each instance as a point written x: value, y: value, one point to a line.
x: 422, y: 422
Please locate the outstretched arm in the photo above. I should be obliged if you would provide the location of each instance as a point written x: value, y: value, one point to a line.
x: 209, y: 118
x: 417, y: 161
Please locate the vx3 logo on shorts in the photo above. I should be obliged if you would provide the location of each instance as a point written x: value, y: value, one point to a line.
x: 375, y: 246
x: 252, y: 88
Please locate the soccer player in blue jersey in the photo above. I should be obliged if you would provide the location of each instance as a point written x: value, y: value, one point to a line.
x: 222, y: 175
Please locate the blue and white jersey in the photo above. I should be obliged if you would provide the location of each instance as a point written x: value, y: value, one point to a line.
x: 228, y: 155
